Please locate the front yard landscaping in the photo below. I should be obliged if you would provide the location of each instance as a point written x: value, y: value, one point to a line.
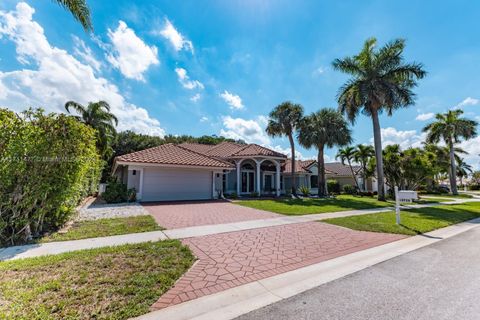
x: 105, y: 227
x: 293, y: 207
x: 413, y: 221
x: 106, y: 283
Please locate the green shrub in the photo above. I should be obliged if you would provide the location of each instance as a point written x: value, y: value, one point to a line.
x: 254, y: 194
x: 116, y: 192
x: 48, y: 163
x: 349, y: 189
x: 304, y: 190
x: 333, y: 186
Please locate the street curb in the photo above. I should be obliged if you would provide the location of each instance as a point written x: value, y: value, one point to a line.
x: 236, y: 301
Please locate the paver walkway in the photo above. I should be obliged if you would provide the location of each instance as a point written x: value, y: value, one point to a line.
x: 188, y: 214
x: 232, y: 259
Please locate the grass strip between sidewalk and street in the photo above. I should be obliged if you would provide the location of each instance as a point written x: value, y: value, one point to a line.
x: 294, y: 207
x: 105, y: 283
x: 413, y: 221
x: 104, y: 227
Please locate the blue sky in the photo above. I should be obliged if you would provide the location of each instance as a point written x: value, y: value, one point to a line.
x: 219, y: 67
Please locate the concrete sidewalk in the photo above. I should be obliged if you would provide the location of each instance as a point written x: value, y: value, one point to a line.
x: 35, y: 250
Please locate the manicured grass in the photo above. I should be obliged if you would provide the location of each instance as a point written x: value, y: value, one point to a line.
x: 312, y: 205
x: 414, y: 221
x: 106, y: 283
x: 446, y: 195
x: 105, y: 227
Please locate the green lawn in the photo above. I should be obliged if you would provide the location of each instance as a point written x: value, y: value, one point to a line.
x: 315, y: 205
x: 105, y: 227
x: 415, y: 221
x: 446, y: 195
x: 106, y: 283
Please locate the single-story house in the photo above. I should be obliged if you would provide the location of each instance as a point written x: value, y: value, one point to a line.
x: 192, y: 171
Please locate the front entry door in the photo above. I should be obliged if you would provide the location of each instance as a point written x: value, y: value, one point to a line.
x: 248, y: 182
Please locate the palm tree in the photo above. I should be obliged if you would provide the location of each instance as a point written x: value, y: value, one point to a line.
x: 363, y: 154
x: 347, y: 154
x: 325, y: 128
x: 463, y: 169
x: 79, y: 10
x: 451, y: 128
x: 284, y: 121
x: 98, y: 116
x: 381, y: 81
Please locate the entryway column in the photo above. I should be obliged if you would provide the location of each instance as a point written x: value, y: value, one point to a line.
x: 259, y: 189
x: 277, y: 179
x: 239, y: 182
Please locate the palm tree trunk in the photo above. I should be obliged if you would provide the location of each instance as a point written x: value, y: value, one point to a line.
x: 353, y: 174
x: 292, y: 148
x: 364, y: 175
x: 322, y: 190
x: 453, y: 169
x: 377, y: 138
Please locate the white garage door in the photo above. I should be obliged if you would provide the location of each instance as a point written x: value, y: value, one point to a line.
x: 164, y: 184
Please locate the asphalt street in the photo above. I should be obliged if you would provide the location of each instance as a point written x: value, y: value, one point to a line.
x: 441, y: 281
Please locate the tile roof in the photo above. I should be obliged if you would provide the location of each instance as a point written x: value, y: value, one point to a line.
x: 198, y: 147
x: 175, y: 155
x: 256, y: 150
x: 231, y: 149
x: 340, y: 169
x: 300, y: 167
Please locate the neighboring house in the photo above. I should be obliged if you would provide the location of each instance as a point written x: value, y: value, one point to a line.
x: 343, y: 174
x: 191, y: 171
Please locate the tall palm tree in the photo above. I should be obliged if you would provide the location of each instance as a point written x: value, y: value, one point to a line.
x: 80, y: 12
x: 324, y: 128
x: 347, y: 154
x: 381, y: 81
x: 463, y: 169
x: 451, y: 128
x: 284, y: 121
x: 363, y: 154
x: 98, y: 116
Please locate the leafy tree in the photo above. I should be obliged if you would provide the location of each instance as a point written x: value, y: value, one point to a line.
x: 363, y: 154
x: 325, y: 128
x: 381, y: 81
x: 451, y: 128
x: 48, y: 163
x: 284, y: 121
x: 98, y: 116
x: 407, y: 169
x: 80, y: 12
x: 347, y: 154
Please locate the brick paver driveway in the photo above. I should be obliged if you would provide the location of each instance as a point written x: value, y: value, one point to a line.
x: 230, y: 259
x: 175, y: 215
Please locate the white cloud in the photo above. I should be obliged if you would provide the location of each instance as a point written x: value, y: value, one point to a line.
x: 130, y: 54
x: 319, y: 71
x: 196, y: 97
x: 177, y: 40
x: 469, y: 101
x: 406, y: 139
x: 425, y: 116
x: 233, y: 100
x: 55, y: 76
x: 286, y: 151
x: 472, y: 146
x: 85, y: 53
x: 251, y: 131
x: 184, y: 79
x: 203, y: 119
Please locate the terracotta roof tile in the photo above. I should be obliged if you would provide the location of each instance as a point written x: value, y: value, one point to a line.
x: 197, y: 147
x: 175, y: 155
x: 341, y: 169
x: 299, y: 167
x: 225, y: 149
x: 256, y: 150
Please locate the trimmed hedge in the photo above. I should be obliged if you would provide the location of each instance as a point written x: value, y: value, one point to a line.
x: 48, y: 163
